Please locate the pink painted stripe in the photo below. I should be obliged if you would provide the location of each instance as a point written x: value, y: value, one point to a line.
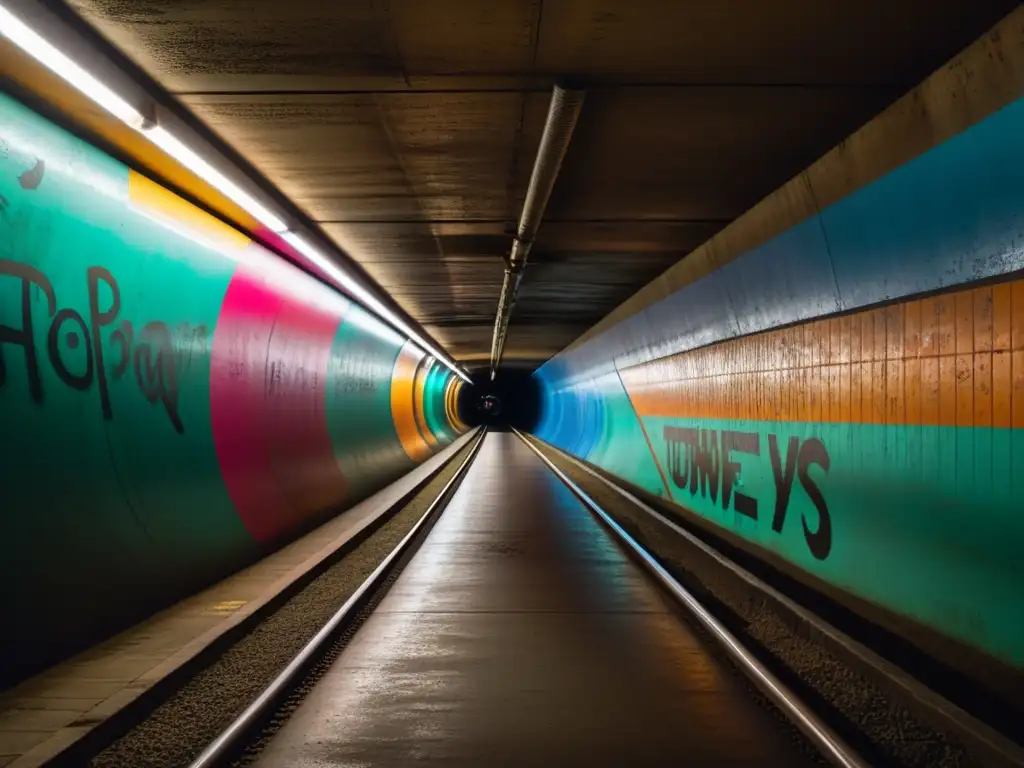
x: 301, y: 446
x: 278, y: 243
x: 267, y: 400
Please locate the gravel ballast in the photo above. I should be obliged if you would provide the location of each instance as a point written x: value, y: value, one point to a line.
x: 178, y: 730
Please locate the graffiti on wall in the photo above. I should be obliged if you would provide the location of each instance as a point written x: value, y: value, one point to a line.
x: 88, y: 352
x: 708, y: 462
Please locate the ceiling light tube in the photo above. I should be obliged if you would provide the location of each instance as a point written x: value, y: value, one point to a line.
x: 19, y: 33
x: 30, y: 41
x: 188, y: 158
x: 53, y: 59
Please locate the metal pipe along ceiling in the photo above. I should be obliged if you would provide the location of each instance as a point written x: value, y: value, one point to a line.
x: 562, y: 115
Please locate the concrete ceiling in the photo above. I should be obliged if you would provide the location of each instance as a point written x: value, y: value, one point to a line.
x: 408, y: 128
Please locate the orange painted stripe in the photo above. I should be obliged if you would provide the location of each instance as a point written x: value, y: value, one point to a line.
x: 952, y: 360
x: 160, y: 203
x: 454, y: 388
x: 459, y: 384
x: 402, y: 402
x: 449, y: 404
x: 420, y: 402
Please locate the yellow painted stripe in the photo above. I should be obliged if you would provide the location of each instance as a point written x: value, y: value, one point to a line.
x: 160, y: 203
x: 456, y: 422
x: 227, y: 606
x: 449, y: 386
x: 95, y: 122
x: 456, y: 391
x: 956, y: 359
x: 451, y: 395
x: 402, y: 402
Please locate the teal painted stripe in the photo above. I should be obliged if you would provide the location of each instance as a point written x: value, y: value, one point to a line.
x: 65, y: 214
x: 433, y: 403
x: 113, y: 499
x: 918, y: 519
x: 359, y: 420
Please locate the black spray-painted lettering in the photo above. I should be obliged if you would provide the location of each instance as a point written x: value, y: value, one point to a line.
x: 100, y: 319
x: 813, y: 452
x: 24, y: 336
x: 783, y: 481
x: 154, y: 370
x: 702, y: 461
x: 696, y: 462
x: 80, y: 381
x: 151, y: 354
x: 32, y: 178
x: 740, y: 442
x: 707, y: 463
x: 681, y: 441
x: 123, y: 337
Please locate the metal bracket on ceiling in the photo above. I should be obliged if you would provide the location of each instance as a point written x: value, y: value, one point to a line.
x: 520, y: 247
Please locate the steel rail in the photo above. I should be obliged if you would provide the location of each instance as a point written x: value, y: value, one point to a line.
x: 825, y: 739
x: 227, y: 743
x: 993, y: 746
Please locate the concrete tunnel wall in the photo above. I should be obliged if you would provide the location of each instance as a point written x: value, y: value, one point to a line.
x: 846, y: 398
x: 175, y: 400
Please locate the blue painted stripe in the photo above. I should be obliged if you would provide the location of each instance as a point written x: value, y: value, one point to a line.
x: 951, y: 216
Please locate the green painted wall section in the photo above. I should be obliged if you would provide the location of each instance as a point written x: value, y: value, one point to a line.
x: 594, y: 419
x: 363, y: 356
x: 100, y: 277
x: 873, y: 484
x: 166, y: 394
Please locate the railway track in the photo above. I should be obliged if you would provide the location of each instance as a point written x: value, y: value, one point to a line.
x: 833, y: 737
x: 243, y: 738
x: 884, y: 710
x: 825, y: 739
x: 242, y: 742
x: 171, y: 727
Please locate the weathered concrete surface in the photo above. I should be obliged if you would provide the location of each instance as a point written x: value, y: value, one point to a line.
x: 979, y: 81
x: 408, y: 129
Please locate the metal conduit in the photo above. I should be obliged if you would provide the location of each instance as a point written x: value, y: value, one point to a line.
x: 562, y: 115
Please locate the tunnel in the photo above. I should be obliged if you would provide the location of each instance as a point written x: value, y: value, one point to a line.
x: 267, y: 276
x: 511, y: 400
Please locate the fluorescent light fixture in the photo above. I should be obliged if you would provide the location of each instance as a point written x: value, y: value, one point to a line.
x: 176, y: 149
x: 366, y: 298
x: 19, y: 33
x: 47, y: 54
